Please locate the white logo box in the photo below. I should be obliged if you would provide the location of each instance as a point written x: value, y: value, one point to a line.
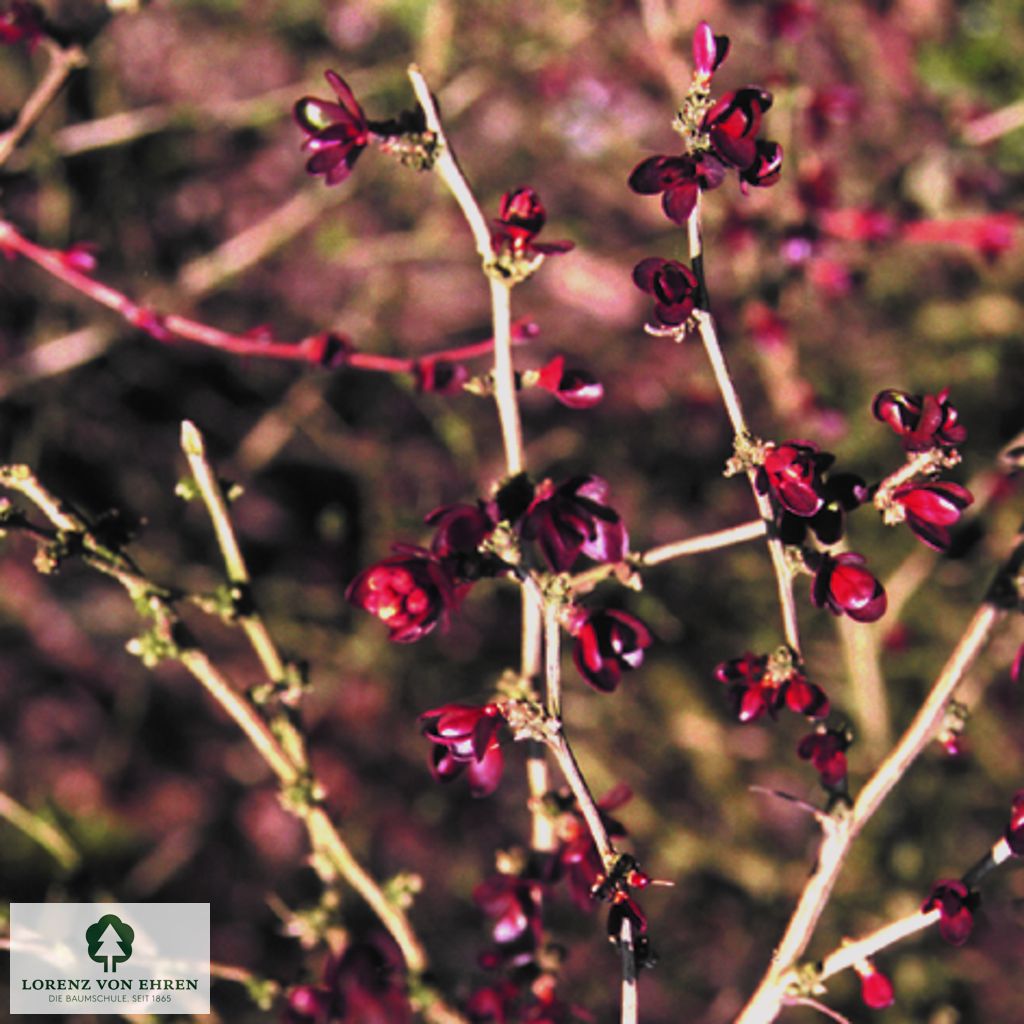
x: 71, y: 958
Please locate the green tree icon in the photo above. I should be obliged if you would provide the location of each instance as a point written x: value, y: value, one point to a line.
x: 110, y: 942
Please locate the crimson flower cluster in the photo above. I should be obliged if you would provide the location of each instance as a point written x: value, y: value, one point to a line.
x: 826, y: 750
x: 924, y: 423
x: 673, y: 286
x: 845, y: 587
x: 757, y: 686
x: 521, y: 215
x: 573, y: 519
x: 465, y: 739
x: 793, y: 474
x: 606, y: 644
x: 725, y: 137
x: 931, y: 507
x: 921, y: 421
x: 338, y: 131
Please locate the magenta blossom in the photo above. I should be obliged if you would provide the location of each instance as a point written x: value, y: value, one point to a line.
x: 673, y: 286
x: 576, y: 389
x: 931, y: 508
x: 732, y: 125
x: 460, y: 530
x: 409, y: 592
x: 678, y: 180
x: 521, y: 215
x: 956, y: 905
x: 922, y: 421
x: 845, y: 587
x: 608, y: 643
x: 791, y: 473
x: 465, y: 740
x: 337, y: 133
x: 826, y: 750
x: 572, y: 519
x: 755, y: 690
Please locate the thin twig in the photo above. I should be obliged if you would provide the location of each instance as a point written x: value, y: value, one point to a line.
x: 553, y: 660
x: 447, y: 168
x: 62, y: 62
x: 709, y: 338
x: 210, y: 490
x: 851, y: 953
x: 705, y: 542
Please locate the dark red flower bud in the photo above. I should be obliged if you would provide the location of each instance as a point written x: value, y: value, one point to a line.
x: 922, y: 421
x: 609, y: 643
x: 791, y: 472
x: 336, y: 132
x: 875, y: 988
x: 521, y: 217
x: 826, y: 750
x: 576, y: 389
x: 759, y: 684
x: 845, y: 587
x: 461, y: 529
x: 1015, y: 829
x: 709, y: 50
x: 680, y: 179
x: 572, y: 520
x: 673, y: 286
x: 734, y: 121
x: 931, y: 508
x: 465, y: 741
x: 956, y: 904
x: 410, y: 593
x: 804, y: 697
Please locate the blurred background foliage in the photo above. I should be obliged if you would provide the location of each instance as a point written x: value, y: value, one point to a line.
x: 174, y: 153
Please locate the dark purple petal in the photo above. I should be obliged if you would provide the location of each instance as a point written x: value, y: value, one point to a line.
x: 658, y: 173
x: 679, y: 201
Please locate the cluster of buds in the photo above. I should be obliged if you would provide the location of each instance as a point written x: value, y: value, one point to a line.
x: 716, y: 136
x: 764, y: 684
x: 337, y: 132
x: 929, y: 428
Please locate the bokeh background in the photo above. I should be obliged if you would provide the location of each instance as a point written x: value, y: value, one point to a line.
x: 174, y: 153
